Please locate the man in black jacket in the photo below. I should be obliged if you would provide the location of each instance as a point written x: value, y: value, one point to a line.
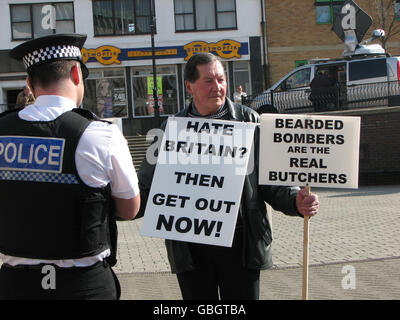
x: 212, y: 272
x: 323, y: 91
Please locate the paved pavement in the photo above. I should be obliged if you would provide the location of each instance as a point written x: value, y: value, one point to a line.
x: 354, y: 252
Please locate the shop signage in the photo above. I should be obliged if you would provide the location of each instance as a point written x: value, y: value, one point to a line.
x: 150, y: 85
x: 149, y: 53
x: 106, y: 55
x: 150, y: 94
x: 225, y: 48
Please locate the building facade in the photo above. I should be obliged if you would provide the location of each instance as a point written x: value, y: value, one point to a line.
x: 301, y: 30
x: 119, y: 50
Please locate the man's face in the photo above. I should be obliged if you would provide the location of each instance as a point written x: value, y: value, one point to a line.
x: 209, y: 90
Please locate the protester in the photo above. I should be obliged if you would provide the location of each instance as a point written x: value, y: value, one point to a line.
x: 208, y: 271
x: 25, y: 97
x: 63, y: 187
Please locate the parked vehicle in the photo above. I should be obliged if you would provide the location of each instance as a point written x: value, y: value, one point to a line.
x: 357, y: 81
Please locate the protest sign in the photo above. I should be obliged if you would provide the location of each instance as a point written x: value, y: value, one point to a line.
x: 320, y: 151
x: 198, y: 180
x: 309, y: 150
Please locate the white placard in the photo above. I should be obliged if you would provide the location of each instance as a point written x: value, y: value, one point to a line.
x: 320, y: 151
x: 198, y: 180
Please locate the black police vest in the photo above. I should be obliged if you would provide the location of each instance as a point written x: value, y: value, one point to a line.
x: 46, y: 211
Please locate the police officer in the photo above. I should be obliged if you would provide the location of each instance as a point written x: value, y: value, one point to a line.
x: 65, y: 176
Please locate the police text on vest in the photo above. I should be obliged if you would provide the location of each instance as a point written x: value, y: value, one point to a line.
x: 31, y: 153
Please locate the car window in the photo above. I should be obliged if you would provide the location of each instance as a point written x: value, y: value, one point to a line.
x: 298, y: 79
x: 391, y: 73
x: 359, y: 70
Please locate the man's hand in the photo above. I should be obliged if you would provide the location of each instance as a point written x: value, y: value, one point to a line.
x: 307, y: 205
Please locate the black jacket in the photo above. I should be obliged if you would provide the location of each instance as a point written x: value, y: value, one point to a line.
x: 257, y: 235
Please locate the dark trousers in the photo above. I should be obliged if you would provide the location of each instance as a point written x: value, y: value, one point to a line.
x: 219, y: 274
x: 49, y: 282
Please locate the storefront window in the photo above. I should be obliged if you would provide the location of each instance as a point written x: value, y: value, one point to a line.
x: 143, y: 84
x: 241, y: 75
x: 105, y: 93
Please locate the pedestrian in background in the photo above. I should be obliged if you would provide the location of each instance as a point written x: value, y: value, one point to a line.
x: 239, y: 94
x: 25, y: 97
x: 322, y: 90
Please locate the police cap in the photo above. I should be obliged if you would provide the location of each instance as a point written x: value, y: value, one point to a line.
x: 51, y: 48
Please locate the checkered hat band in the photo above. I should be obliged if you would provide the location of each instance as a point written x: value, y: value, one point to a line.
x: 51, y: 53
x: 38, y: 177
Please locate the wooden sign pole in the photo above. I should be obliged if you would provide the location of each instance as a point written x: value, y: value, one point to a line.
x: 305, y: 250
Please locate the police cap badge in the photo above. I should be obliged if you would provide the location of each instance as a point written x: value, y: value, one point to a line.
x: 51, y: 48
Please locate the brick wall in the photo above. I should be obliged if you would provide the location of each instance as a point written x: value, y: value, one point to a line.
x: 379, y: 145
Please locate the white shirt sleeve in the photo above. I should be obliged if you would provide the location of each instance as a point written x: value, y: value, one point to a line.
x: 103, y: 157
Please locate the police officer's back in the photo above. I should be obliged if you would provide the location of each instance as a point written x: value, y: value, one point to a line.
x: 64, y: 176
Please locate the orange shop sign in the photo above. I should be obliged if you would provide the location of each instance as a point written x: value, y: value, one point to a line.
x: 224, y: 48
x: 104, y: 54
x: 107, y: 54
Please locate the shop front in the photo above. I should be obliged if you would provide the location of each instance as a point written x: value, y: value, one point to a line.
x: 121, y: 80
